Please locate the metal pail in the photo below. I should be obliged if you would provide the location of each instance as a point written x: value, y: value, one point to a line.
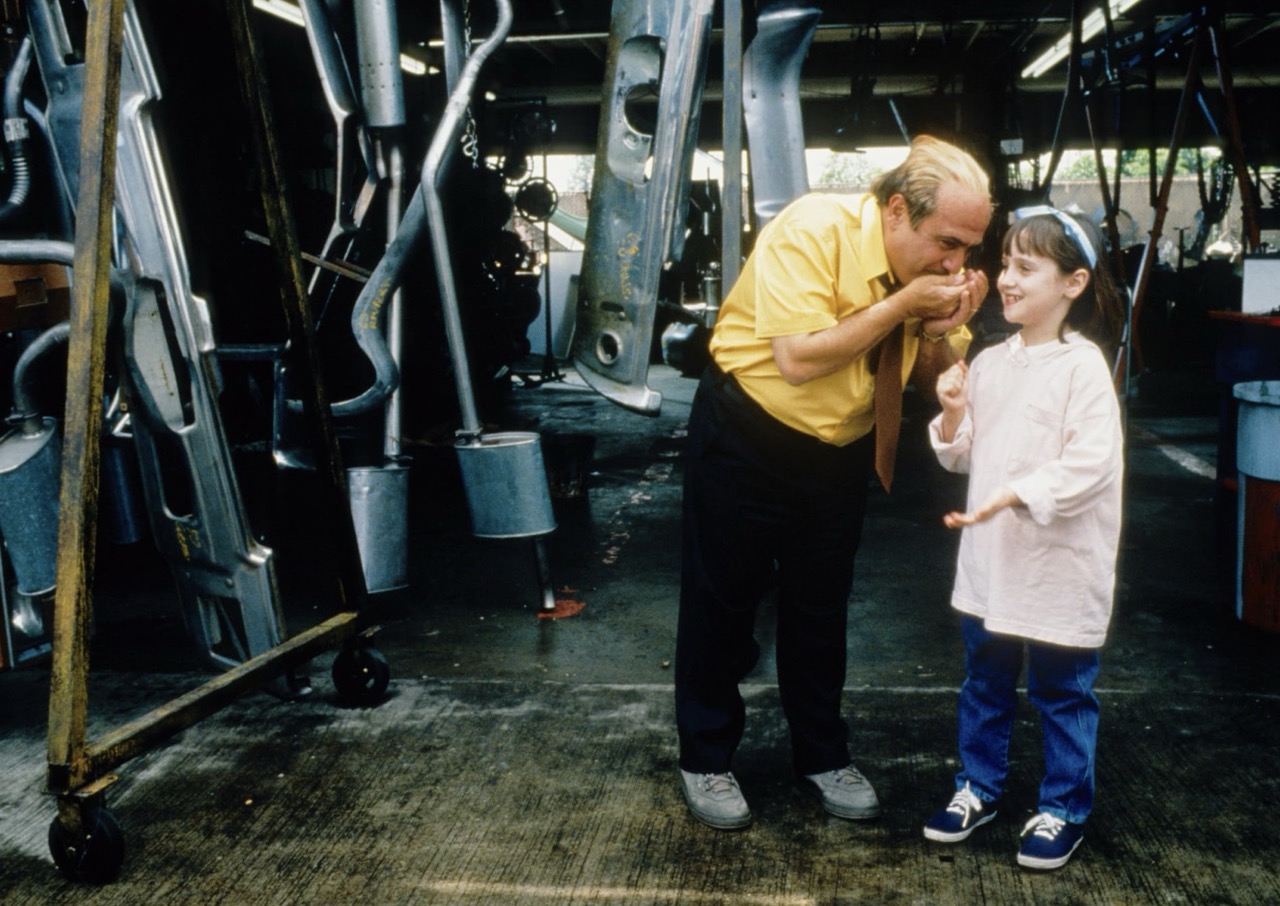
x: 30, y: 477
x: 506, y: 484
x: 380, y: 511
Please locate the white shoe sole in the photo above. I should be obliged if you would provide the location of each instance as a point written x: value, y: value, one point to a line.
x: 1048, y: 864
x: 957, y: 836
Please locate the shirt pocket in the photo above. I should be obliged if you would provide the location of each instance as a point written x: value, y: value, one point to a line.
x: 1038, y: 439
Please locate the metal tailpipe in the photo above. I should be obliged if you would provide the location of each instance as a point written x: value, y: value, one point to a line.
x: 378, y: 49
x: 24, y: 407
x: 15, y: 132
x: 424, y: 206
x: 503, y: 474
x: 379, y: 495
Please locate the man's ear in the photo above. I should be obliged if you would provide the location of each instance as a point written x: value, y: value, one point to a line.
x: 896, y: 210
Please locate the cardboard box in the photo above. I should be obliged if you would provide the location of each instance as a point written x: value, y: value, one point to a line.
x: 34, y: 296
x: 1261, y: 291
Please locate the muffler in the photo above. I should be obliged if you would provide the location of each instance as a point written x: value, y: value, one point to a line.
x: 30, y: 479
x: 379, y: 497
x: 506, y: 485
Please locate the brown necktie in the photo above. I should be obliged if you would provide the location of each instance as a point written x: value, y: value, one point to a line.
x: 888, y: 404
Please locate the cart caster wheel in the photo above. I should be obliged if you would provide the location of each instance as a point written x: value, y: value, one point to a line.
x: 361, y: 674
x: 92, y: 853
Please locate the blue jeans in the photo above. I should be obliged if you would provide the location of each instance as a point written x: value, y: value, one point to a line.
x: 1060, y: 685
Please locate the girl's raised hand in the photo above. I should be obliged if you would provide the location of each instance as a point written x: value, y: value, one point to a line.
x: 953, y: 387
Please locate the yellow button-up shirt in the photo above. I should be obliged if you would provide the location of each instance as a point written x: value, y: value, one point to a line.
x: 818, y: 262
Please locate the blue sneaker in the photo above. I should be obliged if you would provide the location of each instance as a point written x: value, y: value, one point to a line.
x: 1049, y: 842
x: 962, y: 816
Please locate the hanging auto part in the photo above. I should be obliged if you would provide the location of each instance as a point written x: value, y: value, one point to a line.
x: 379, y: 493
x: 771, y: 104
x: 503, y: 473
x: 657, y: 51
x: 16, y: 133
x: 225, y: 577
x: 356, y: 187
x: 30, y: 464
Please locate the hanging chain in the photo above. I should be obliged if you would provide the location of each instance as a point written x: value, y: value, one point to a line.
x: 470, y: 140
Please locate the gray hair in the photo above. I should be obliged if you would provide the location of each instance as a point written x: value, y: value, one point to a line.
x: 930, y: 164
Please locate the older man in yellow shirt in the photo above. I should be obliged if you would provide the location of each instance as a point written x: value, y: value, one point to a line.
x: 841, y: 294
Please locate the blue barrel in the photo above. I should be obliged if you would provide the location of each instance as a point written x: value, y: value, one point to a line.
x: 1258, y: 507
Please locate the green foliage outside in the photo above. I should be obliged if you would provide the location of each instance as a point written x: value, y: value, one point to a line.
x: 845, y: 169
x: 1136, y: 163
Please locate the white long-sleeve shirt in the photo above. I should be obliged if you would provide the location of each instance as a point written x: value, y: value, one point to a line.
x: 1043, y: 421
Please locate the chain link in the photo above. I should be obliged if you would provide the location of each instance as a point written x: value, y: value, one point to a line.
x: 470, y: 139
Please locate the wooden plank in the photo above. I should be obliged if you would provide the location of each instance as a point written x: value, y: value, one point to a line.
x: 86, y: 370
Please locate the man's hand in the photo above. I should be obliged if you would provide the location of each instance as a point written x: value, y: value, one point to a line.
x: 941, y: 301
x: 950, y: 301
x: 1000, y: 500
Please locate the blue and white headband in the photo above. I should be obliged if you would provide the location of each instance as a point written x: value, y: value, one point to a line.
x: 1069, y: 224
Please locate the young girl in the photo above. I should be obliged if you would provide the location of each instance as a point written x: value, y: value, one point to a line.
x: 1035, y: 423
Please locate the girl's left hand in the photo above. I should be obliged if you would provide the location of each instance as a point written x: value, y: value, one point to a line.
x: 1002, y: 499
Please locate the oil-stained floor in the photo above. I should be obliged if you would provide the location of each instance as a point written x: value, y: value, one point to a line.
x: 522, y: 760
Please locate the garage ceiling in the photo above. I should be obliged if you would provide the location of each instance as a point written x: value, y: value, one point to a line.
x: 874, y: 70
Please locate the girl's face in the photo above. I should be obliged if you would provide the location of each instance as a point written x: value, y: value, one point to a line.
x: 1036, y: 294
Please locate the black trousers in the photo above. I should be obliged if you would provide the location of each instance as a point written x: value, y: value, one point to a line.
x: 764, y: 505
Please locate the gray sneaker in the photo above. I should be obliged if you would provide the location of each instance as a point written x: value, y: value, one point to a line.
x: 715, y: 799
x: 845, y: 793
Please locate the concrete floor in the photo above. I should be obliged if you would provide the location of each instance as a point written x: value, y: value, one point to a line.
x: 520, y: 760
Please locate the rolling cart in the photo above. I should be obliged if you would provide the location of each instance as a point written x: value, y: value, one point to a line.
x: 85, y: 840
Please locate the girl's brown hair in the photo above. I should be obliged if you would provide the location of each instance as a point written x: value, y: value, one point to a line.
x: 1099, y: 311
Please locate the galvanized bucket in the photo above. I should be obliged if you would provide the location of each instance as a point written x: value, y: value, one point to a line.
x: 380, y: 511
x: 30, y: 478
x: 506, y: 484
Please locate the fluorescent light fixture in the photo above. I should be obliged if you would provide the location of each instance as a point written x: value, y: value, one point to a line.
x: 1091, y: 25
x: 412, y: 66
x: 290, y: 13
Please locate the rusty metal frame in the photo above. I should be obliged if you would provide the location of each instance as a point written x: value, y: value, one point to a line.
x: 1207, y: 39
x: 79, y: 772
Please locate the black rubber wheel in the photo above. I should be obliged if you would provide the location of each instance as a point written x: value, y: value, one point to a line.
x: 95, y: 854
x: 361, y: 674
